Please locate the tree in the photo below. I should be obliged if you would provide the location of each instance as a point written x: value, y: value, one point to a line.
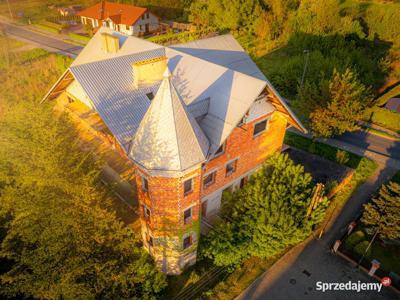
x: 266, y: 216
x: 348, y: 98
x: 383, y: 212
x: 58, y: 233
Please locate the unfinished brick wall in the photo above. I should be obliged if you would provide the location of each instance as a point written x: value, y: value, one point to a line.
x: 250, y: 151
x: 166, y: 200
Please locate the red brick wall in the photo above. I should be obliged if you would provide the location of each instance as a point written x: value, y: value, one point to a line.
x: 250, y: 151
x: 166, y: 199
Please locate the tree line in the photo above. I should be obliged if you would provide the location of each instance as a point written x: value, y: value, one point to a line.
x: 59, y: 236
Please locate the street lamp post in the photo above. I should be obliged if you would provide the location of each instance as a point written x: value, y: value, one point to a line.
x: 307, y: 52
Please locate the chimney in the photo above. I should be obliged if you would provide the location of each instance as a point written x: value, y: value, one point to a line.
x: 148, y: 71
x: 109, y: 43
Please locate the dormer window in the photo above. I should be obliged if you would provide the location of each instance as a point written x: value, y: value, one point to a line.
x: 260, y: 127
x: 220, y: 150
x: 150, y: 96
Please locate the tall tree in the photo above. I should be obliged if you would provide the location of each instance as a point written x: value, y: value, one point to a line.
x: 383, y: 212
x: 58, y: 232
x: 266, y: 216
x: 348, y: 98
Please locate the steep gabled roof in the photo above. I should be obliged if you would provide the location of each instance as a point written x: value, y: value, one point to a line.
x: 120, y: 13
x: 215, y: 82
x: 168, y: 138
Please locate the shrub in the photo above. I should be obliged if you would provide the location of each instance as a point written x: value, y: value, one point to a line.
x: 361, y: 247
x: 342, y: 157
x: 354, y: 239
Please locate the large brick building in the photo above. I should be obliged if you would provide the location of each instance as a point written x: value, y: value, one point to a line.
x: 195, y: 119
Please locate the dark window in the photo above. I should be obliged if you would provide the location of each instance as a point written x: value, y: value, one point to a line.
x: 243, y: 181
x: 147, y: 15
x: 150, y: 96
x: 187, y: 242
x: 128, y: 27
x: 260, y: 127
x: 145, y: 184
x: 188, y: 186
x: 147, y: 212
x: 231, y: 167
x: 187, y: 216
x: 150, y: 241
x: 209, y: 179
x: 220, y: 150
x: 140, y: 27
x: 143, y: 17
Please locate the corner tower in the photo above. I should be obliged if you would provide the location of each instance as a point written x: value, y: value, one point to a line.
x: 169, y: 149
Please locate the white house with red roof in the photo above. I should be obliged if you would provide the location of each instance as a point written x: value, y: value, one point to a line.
x: 124, y: 18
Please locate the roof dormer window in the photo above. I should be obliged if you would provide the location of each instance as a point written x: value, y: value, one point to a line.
x: 150, y: 96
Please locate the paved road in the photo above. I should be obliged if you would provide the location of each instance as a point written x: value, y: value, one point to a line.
x: 295, y: 275
x: 46, y: 42
x: 372, y: 143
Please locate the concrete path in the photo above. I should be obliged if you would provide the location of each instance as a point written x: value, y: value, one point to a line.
x: 295, y: 275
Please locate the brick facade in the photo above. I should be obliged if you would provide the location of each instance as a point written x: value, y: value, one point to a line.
x: 166, y: 201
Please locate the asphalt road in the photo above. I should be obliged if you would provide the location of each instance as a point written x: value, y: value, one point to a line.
x: 372, y: 143
x: 46, y: 42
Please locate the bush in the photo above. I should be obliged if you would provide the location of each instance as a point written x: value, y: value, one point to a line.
x: 354, y: 239
x: 383, y: 117
x: 342, y: 157
x: 361, y: 247
x: 181, y: 37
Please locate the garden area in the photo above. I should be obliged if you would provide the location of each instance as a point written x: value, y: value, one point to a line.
x: 377, y: 233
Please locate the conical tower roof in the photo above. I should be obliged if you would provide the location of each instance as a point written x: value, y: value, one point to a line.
x: 168, y: 138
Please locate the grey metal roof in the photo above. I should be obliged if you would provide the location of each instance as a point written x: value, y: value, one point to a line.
x: 223, y: 50
x: 168, y: 138
x: 214, y: 80
x: 109, y: 84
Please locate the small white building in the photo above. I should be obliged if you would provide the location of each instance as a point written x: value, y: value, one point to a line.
x: 124, y: 18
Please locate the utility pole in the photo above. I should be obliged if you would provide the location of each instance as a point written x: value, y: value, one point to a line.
x: 307, y: 52
x: 9, y: 9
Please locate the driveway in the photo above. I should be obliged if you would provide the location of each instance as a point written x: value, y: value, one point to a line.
x: 295, y: 275
x: 46, y: 42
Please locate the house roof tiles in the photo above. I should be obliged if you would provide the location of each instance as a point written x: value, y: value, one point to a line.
x: 120, y: 13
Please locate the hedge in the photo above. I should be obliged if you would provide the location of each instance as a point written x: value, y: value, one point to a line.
x: 383, y: 117
x: 180, y: 37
